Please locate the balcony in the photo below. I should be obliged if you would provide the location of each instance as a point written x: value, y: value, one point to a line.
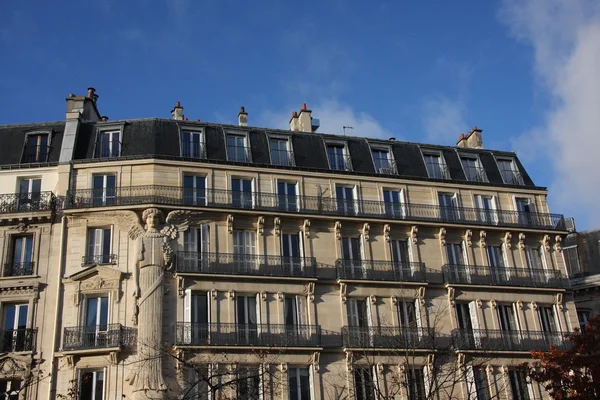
x: 389, y: 337
x: 98, y: 337
x: 495, y: 276
x: 374, y: 270
x: 282, y: 157
x: 27, y: 202
x: 15, y: 340
x: 217, y: 198
x: 498, y: 340
x: 475, y: 174
x: 268, y: 335
x: 98, y: 259
x: 245, y: 264
x: 18, y: 269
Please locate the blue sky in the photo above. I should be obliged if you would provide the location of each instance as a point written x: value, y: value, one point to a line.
x: 523, y: 71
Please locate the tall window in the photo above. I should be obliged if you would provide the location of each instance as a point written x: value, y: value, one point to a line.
x: 525, y: 210
x: 455, y: 254
x: 29, y: 194
x: 299, y: 384
x: 473, y: 171
x: 448, y: 206
x: 357, y: 313
x: 337, y: 157
x: 352, y: 257
x: 295, y: 316
x: 15, y: 325
x: 192, y: 144
x: 241, y: 193
x: 383, y: 161
x: 406, y: 314
x: 280, y: 155
x: 104, y: 191
x: 10, y: 389
x: 346, y: 202
x: 506, y: 316
x: 394, y: 203
x: 22, y: 257
x: 286, y: 196
x: 195, y: 257
x: 364, y: 388
x: 96, y: 322
x: 237, y: 149
x: 108, y: 144
x: 91, y: 385
x: 509, y: 172
x: 572, y: 260
x: 199, y: 317
x: 534, y: 258
x: 292, y: 254
x: 246, y: 314
x: 36, y: 148
x: 496, y: 261
x: 194, y: 190
x: 415, y: 383
x: 547, y: 319
x: 518, y: 385
x: 244, y: 249
x: 463, y: 316
x: 477, y: 383
x: 99, y: 246
x: 486, y: 209
x: 400, y: 258
x: 436, y: 167
x: 248, y: 387
x: 584, y: 316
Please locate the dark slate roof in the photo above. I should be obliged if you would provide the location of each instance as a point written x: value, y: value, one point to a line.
x: 587, y: 249
x: 12, y: 143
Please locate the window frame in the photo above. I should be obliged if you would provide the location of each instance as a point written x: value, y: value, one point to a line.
x: 568, y: 264
x: 195, y: 199
x: 517, y: 176
x: 104, y: 200
x: 355, y: 200
x: 287, y: 196
x: 110, y: 250
x: 247, y: 147
x: 478, y: 165
x: 48, y: 134
x: 390, y: 158
x: 101, y: 129
x: 94, y: 371
x: 193, y: 130
x: 444, y: 166
x: 288, y: 146
x: 297, y: 369
x: 345, y: 154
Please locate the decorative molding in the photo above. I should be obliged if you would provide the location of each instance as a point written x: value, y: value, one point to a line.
x: 461, y: 359
x: 394, y: 300
x: 379, y: 368
x: 96, y: 280
x: 479, y: 303
x: 546, y: 242
x: 493, y: 304
x: 277, y: 226
x: 469, y: 237
x: 504, y: 369
x: 558, y: 243
x: 507, y: 240
x: 315, y: 359
x: 280, y: 296
x: 421, y: 295
x: 559, y: 301
x: 343, y: 289
x: 482, y: 239
x: 338, y: 230
x: 519, y: 304
x: 452, y: 296
x: 180, y: 286
x: 489, y: 369
x: 214, y: 293
x: 310, y: 291
x: 21, y: 227
x: 349, y: 360
x: 430, y: 360
x: 231, y: 294
x: 260, y: 225
x: 230, y: 223
x: 283, y: 367
x: 401, y: 369
x: 521, y: 241
x: 386, y: 232
x: 365, y: 231
x: 414, y: 232
x: 373, y: 299
x: 306, y: 228
x: 442, y: 234
x: 263, y: 295
x: 534, y: 305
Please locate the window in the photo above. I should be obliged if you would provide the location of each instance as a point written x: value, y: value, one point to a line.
x: 10, y: 389
x: 496, y: 261
x: 15, y: 328
x: 448, y: 207
x: 197, y: 314
x: 518, y: 385
x: 509, y: 172
x: 192, y: 144
x: 486, y: 209
x: 436, y: 167
x: 248, y: 385
x: 406, y: 314
x: 384, y: 163
x: 525, y: 211
x: 108, y: 145
x: 357, y: 313
x: 415, y: 384
x: 477, y: 383
x: 571, y: 255
x: 394, y: 203
x: 280, y: 154
x: 363, y: 384
x: 96, y: 323
x: 295, y: 316
x: 463, y: 315
x: 534, y: 259
x: 299, y: 384
x: 352, y: 257
x: 99, y: 246
x: 194, y: 190
x: 22, y: 257
x: 584, y: 317
x: 455, y: 254
x: 473, y: 170
x: 244, y: 249
x: 547, y: 319
x: 241, y: 193
x: 291, y: 251
x: 29, y: 194
x: 346, y: 200
x: 104, y: 191
x: 196, y: 246
x: 237, y: 149
x: 468, y: 324
x: 400, y: 258
x: 338, y: 159
x: 506, y: 316
x: 36, y: 148
x: 246, y: 314
x: 91, y: 385
x: 287, y: 196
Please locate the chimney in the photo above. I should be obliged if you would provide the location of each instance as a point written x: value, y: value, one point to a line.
x: 294, y: 122
x: 471, y: 140
x: 242, y: 117
x: 177, y: 111
x: 83, y: 107
x: 305, y: 119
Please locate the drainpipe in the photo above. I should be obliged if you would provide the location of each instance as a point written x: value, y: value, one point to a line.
x: 59, y: 292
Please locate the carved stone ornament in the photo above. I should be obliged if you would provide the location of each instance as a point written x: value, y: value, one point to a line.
x: 489, y: 369
x: 386, y: 232
x: 534, y: 305
x: 365, y: 230
x: 263, y: 295
x: 504, y: 369
x: 230, y: 223
x: 373, y: 299
x: 507, y: 240
x: 452, y: 296
x: 414, y: 231
x: 380, y: 368
x: 394, y: 300
x: 15, y: 366
x: 546, y: 242
x: 421, y: 295
x: 96, y: 280
x: 349, y: 360
x: 468, y: 237
x: 558, y: 243
x: 310, y: 291
x: 521, y: 241
x: 7, y: 293
x: 231, y: 294
x: 260, y: 225
x: 559, y: 301
x: 343, y: 289
x: 283, y: 367
x: 442, y: 235
x: 401, y: 369
x: 180, y: 286
x: 306, y: 228
x: 493, y: 304
x: 214, y: 293
x: 461, y: 359
x: 315, y: 360
x: 21, y: 227
x: 479, y: 303
x: 430, y: 360
x: 277, y: 226
x: 338, y: 230
x: 519, y: 304
x: 280, y: 296
x: 482, y: 239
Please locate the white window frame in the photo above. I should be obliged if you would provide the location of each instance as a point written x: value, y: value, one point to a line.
x: 94, y: 372
x: 491, y: 216
x: 102, y: 128
x: 345, y: 154
x: 478, y: 165
x: 48, y: 144
x: 298, y: 386
x: 288, y: 148
x: 99, y: 305
x: 102, y: 229
x: 565, y: 258
x: 442, y: 162
x: 104, y: 188
x: 455, y: 206
x: 355, y: 200
x: 402, y: 203
x: 246, y: 140
x: 390, y: 158
x: 297, y: 188
x: 518, y: 178
x: 193, y: 130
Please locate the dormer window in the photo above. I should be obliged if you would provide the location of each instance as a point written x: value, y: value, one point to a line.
x: 281, y: 153
x: 339, y: 159
x: 237, y: 148
x: 108, y: 141
x: 384, y: 162
x: 36, y: 148
x: 192, y: 144
x: 508, y: 170
x: 473, y: 170
x: 436, y: 166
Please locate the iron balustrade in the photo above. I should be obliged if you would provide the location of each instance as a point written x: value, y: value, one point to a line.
x: 98, y: 259
x: 376, y: 270
x: 269, y: 335
x: 340, y: 162
x: 18, y: 269
x: 499, y: 340
x: 512, y: 177
x: 98, y: 336
x: 385, y: 166
x: 245, y: 264
x: 387, y: 337
x: 26, y: 202
x: 191, y: 149
x: 239, y: 154
x: 475, y: 174
x: 496, y: 276
x: 173, y: 195
x: 14, y: 340
x: 438, y: 170
x: 282, y: 157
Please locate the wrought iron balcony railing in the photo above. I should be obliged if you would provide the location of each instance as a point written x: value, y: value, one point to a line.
x: 18, y: 269
x: 475, y: 174
x: 191, y: 149
x: 98, y: 259
x: 385, y: 166
x: 173, y: 195
x: 239, y: 153
x: 14, y: 340
x: 98, y: 336
x: 282, y: 157
x: 245, y: 264
x: 511, y: 177
x: 340, y: 162
x: 271, y: 335
x: 381, y: 270
x: 26, y: 202
x: 498, y: 340
x: 438, y: 170
x: 496, y: 276
x: 387, y: 337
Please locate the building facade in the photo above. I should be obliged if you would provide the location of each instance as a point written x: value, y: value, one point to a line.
x: 165, y: 258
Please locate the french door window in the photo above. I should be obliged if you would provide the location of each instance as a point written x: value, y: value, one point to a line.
x: 22, y: 257
x: 15, y: 325
x: 383, y: 164
x: 352, y: 257
x: 104, y: 192
x: 435, y: 166
x: 194, y: 190
x: 36, y: 149
x: 91, y: 385
x: 363, y: 384
x: 279, y: 152
x: 195, y: 257
x: 108, y: 144
x: 415, y: 384
x: 247, y: 319
x: 29, y: 194
x: 525, y: 212
x: 394, y: 204
x: 241, y: 193
x: 299, y: 384
x: 448, y: 207
x: 292, y: 253
x: 337, y: 157
x: 96, y: 322
x: 192, y: 145
x: 400, y: 258
x: 236, y: 149
x: 296, y: 318
x: 346, y: 202
x: 99, y: 246
x: 244, y: 250
x: 287, y: 196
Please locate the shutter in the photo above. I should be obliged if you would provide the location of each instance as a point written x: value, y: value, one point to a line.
x: 205, y: 238
x: 419, y: 314
x: 311, y: 382
x: 187, y: 316
x: 427, y: 381
x: 529, y: 388
x: 98, y: 242
x: 375, y: 388
x: 545, y: 267
x: 558, y: 326
x: 251, y: 242
x: 475, y: 323
x: 301, y: 310
x: 91, y: 242
x: 352, y: 313
x: 505, y: 259
x: 470, y: 380
x: 403, y: 202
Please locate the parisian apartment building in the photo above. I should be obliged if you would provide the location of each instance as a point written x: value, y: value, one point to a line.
x: 163, y: 258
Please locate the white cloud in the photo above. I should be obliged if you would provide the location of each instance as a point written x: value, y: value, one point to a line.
x: 443, y: 119
x: 565, y: 37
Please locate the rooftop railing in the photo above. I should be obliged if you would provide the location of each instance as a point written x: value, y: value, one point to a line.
x: 98, y: 336
x: 26, y: 202
x: 387, y: 337
x: 376, y: 270
x: 499, y: 340
x: 497, y: 276
x: 173, y: 195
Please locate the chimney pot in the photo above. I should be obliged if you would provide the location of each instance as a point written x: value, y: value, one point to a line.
x: 461, y: 136
x: 198, y: 120
x: 104, y: 118
x: 71, y: 95
x: 91, y: 92
x: 304, y: 106
x: 242, y: 117
x: 392, y: 139
x: 242, y: 110
x: 177, y: 112
x: 177, y: 104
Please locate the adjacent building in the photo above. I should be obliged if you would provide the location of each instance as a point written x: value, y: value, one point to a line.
x: 166, y: 258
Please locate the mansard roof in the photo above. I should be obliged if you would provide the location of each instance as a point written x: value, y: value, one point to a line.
x: 12, y: 143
